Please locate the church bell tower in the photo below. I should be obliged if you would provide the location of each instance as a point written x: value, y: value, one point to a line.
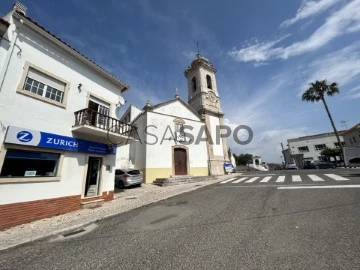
x: 203, y: 97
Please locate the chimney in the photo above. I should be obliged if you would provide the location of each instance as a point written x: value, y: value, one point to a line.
x: 19, y: 8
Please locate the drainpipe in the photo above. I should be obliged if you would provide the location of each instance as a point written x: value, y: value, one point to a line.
x: 8, y: 59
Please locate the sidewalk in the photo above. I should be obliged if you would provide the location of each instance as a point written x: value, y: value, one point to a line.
x: 124, y: 201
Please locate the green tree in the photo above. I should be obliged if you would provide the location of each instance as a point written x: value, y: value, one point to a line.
x: 243, y: 159
x: 317, y: 92
x: 331, y: 152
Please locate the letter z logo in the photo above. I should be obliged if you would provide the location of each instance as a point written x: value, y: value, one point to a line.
x: 24, y: 136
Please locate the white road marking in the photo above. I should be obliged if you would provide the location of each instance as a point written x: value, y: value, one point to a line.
x: 296, y: 178
x: 280, y: 179
x: 336, y: 177
x: 266, y: 179
x: 252, y: 180
x: 315, y: 178
x: 309, y: 187
x: 265, y: 174
x: 239, y: 180
x: 223, y: 182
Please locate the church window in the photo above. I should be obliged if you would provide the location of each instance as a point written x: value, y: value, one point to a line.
x: 208, y: 80
x: 193, y: 81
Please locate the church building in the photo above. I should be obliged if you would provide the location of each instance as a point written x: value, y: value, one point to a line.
x: 177, y: 137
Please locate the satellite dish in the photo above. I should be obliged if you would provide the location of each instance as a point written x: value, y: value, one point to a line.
x: 118, y: 112
x: 121, y: 101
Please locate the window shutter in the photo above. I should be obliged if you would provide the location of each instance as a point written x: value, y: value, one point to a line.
x: 45, y: 79
x: 99, y: 101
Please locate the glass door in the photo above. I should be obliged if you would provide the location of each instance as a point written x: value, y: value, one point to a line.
x: 101, y: 112
x: 93, y: 177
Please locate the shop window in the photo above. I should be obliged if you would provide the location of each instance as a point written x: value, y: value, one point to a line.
x: 21, y: 163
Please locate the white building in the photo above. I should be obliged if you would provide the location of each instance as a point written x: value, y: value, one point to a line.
x: 352, y: 136
x: 56, y: 107
x: 164, y: 150
x: 308, y: 148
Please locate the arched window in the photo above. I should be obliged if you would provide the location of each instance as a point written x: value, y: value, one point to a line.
x: 193, y: 81
x: 208, y: 80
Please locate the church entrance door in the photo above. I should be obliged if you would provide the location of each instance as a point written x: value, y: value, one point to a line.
x: 180, y: 161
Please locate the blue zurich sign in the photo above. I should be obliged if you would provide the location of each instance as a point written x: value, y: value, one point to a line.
x: 22, y: 136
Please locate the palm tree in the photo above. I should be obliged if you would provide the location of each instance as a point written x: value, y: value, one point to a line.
x: 317, y: 92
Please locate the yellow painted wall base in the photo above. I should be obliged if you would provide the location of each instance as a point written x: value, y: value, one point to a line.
x: 150, y: 174
x: 200, y: 171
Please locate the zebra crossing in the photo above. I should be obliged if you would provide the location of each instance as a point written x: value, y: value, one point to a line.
x: 278, y: 179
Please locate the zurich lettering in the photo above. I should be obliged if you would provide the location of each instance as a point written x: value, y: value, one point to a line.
x: 61, y: 142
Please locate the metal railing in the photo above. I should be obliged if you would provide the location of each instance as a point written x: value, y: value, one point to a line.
x: 93, y: 118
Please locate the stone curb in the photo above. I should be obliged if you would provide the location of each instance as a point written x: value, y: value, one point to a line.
x: 81, y: 225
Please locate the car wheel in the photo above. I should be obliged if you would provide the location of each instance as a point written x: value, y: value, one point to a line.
x: 317, y: 167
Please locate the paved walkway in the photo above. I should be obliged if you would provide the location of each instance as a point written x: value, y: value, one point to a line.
x: 124, y: 201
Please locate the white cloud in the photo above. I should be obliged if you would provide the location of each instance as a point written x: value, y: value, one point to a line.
x: 346, y: 20
x: 355, y: 89
x: 342, y: 66
x: 257, y: 52
x: 352, y: 96
x: 309, y: 8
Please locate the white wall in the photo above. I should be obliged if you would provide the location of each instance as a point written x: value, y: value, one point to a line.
x: 138, y: 149
x: 177, y: 109
x: 329, y: 141
x: 217, y: 147
x: 351, y: 135
x: 41, y: 53
x: 159, y: 155
x: 23, y: 111
x: 134, y: 112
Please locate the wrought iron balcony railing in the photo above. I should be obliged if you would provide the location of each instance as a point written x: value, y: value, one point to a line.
x: 93, y: 118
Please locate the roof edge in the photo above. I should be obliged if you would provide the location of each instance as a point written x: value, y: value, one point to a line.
x: 72, y: 51
x: 181, y: 101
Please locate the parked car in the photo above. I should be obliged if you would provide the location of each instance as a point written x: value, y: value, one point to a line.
x: 319, y: 164
x: 127, y: 178
x: 354, y: 162
x: 229, y: 168
x: 291, y: 166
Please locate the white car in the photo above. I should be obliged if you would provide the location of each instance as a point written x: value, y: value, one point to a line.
x: 291, y: 166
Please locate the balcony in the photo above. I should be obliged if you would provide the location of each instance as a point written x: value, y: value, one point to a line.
x: 91, y: 125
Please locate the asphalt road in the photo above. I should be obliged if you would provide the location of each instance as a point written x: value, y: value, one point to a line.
x: 312, y: 224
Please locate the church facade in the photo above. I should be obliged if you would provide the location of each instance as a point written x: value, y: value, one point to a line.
x: 179, y: 138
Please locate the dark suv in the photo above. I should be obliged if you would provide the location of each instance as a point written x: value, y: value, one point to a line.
x: 319, y: 164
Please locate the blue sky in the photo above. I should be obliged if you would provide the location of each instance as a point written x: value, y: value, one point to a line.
x: 266, y: 53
